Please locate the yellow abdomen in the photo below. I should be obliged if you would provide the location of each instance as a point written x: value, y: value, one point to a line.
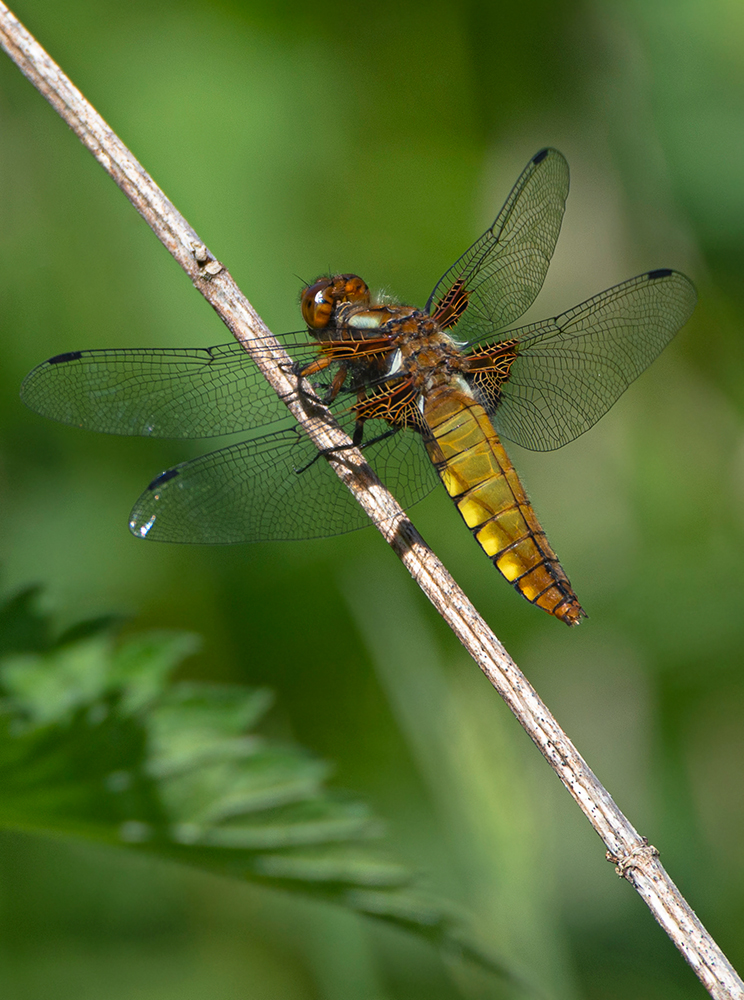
x: 478, y: 475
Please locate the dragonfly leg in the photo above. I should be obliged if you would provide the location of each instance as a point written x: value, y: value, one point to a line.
x: 356, y: 442
x: 336, y: 385
x: 358, y: 436
x: 322, y: 452
x: 319, y: 365
x: 316, y: 366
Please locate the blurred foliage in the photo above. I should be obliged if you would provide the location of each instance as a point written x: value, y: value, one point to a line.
x: 381, y: 139
x: 96, y: 742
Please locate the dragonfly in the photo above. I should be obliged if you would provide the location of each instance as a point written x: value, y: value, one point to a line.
x: 428, y: 394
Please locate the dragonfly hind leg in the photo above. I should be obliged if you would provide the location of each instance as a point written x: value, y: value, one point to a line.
x: 356, y: 442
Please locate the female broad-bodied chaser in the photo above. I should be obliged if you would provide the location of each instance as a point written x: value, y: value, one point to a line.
x: 454, y: 377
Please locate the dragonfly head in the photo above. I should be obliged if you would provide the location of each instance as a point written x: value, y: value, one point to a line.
x: 320, y: 299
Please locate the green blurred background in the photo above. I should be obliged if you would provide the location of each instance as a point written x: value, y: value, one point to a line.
x: 382, y: 139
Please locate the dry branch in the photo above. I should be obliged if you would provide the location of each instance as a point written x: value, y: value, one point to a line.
x: 636, y: 861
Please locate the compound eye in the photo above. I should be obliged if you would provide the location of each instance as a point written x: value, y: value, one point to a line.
x: 317, y: 304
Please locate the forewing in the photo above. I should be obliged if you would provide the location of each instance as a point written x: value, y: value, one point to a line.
x: 571, y: 369
x: 273, y: 487
x: 156, y: 392
x: 498, y: 278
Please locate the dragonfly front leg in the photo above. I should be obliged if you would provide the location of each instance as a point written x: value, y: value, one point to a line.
x: 318, y: 365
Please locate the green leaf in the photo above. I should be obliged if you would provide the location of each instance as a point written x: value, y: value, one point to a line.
x: 96, y: 741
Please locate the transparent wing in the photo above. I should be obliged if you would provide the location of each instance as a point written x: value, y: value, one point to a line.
x: 157, y: 392
x: 571, y: 369
x: 498, y: 278
x: 273, y: 487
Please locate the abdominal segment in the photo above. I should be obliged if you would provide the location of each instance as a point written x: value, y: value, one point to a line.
x: 478, y: 475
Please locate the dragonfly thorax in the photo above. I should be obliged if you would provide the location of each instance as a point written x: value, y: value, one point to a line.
x: 378, y: 344
x: 429, y: 357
